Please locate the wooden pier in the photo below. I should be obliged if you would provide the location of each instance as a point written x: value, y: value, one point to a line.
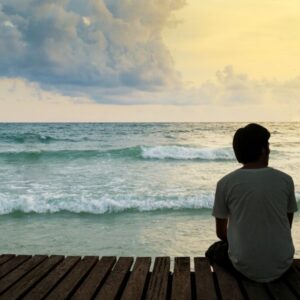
x: 90, y: 277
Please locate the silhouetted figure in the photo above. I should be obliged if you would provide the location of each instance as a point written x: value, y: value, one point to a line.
x: 254, y: 208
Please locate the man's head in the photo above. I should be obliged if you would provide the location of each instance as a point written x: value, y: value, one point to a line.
x: 251, y: 143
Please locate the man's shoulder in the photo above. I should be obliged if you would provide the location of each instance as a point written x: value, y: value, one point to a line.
x: 229, y: 177
x: 280, y: 174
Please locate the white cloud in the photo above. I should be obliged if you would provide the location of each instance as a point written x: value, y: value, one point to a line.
x: 87, y: 46
x: 232, y: 88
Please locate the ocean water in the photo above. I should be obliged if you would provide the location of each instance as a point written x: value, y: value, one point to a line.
x: 137, y: 189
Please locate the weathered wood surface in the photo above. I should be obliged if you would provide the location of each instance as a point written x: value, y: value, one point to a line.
x: 107, y: 278
x: 69, y: 283
x: 228, y: 284
x: 205, y: 289
x: 181, y: 284
x: 48, y: 283
x: 95, y: 278
x: 114, y: 283
x: 136, y: 283
x: 158, y: 285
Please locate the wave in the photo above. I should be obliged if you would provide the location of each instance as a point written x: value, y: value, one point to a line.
x: 32, y: 138
x: 35, y: 155
x: 138, y: 152
x: 187, y: 153
x: 103, y: 205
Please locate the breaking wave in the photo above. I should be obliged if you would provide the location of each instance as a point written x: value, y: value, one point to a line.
x: 138, y: 152
x: 181, y: 152
x: 34, y: 203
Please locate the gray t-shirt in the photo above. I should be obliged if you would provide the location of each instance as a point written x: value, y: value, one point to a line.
x: 256, y: 202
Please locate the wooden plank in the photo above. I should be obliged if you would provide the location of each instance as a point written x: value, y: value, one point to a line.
x: 5, y: 257
x: 95, y: 278
x: 136, y: 283
x: 115, y: 280
x: 228, y: 284
x: 255, y: 290
x: 181, y: 283
x: 280, y: 291
x: 73, y: 279
x: 158, y: 285
x: 12, y: 264
x: 37, y: 277
x: 8, y: 280
x: 44, y: 287
x: 205, y: 289
x: 292, y: 279
x: 29, y: 280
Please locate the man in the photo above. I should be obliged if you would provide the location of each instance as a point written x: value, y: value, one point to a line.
x: 254, y: 208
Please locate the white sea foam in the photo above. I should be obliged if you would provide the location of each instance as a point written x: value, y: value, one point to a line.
x: 47, y: 204
x: 182, y: 152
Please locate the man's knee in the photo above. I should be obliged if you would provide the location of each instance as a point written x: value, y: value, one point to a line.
x: 218, y: 252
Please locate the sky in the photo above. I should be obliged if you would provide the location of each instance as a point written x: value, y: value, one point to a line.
x: 149, y: 60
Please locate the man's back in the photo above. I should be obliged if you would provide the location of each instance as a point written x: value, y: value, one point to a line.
x: 257, y: 201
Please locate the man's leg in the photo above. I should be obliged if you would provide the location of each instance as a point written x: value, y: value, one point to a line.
x: 218, y: 253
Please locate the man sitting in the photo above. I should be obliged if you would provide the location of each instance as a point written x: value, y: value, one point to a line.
x: 254, y: 208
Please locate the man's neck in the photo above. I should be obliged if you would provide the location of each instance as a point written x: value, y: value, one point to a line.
x: 255, y: 165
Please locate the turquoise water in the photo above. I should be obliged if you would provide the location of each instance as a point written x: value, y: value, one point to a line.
x: 121, y: 189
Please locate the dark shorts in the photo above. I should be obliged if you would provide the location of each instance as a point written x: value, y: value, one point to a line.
x: 217, y: 253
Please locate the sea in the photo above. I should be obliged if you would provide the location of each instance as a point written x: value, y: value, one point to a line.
x: 124, y: 189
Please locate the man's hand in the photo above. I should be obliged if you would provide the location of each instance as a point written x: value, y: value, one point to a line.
x: 221, y: 229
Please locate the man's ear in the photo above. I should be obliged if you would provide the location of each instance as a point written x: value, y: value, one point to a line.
x: 268, y: 149
x: 265, y: 150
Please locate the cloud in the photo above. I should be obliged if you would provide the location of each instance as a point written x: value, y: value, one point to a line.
x: 112, y: 51
x: 227, y: 89
x: 89, y: 47
x: 23, y: 101
x: 232, y: 88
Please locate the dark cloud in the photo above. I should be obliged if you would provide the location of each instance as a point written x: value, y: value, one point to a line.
x: 87, y: 46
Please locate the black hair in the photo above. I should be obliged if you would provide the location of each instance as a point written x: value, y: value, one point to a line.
x: 249, y: 141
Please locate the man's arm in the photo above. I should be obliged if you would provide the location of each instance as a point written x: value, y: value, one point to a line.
x: 221, y: 229
x: 290, y: 217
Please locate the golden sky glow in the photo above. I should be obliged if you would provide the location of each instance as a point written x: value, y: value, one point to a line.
x: 260, y: 38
